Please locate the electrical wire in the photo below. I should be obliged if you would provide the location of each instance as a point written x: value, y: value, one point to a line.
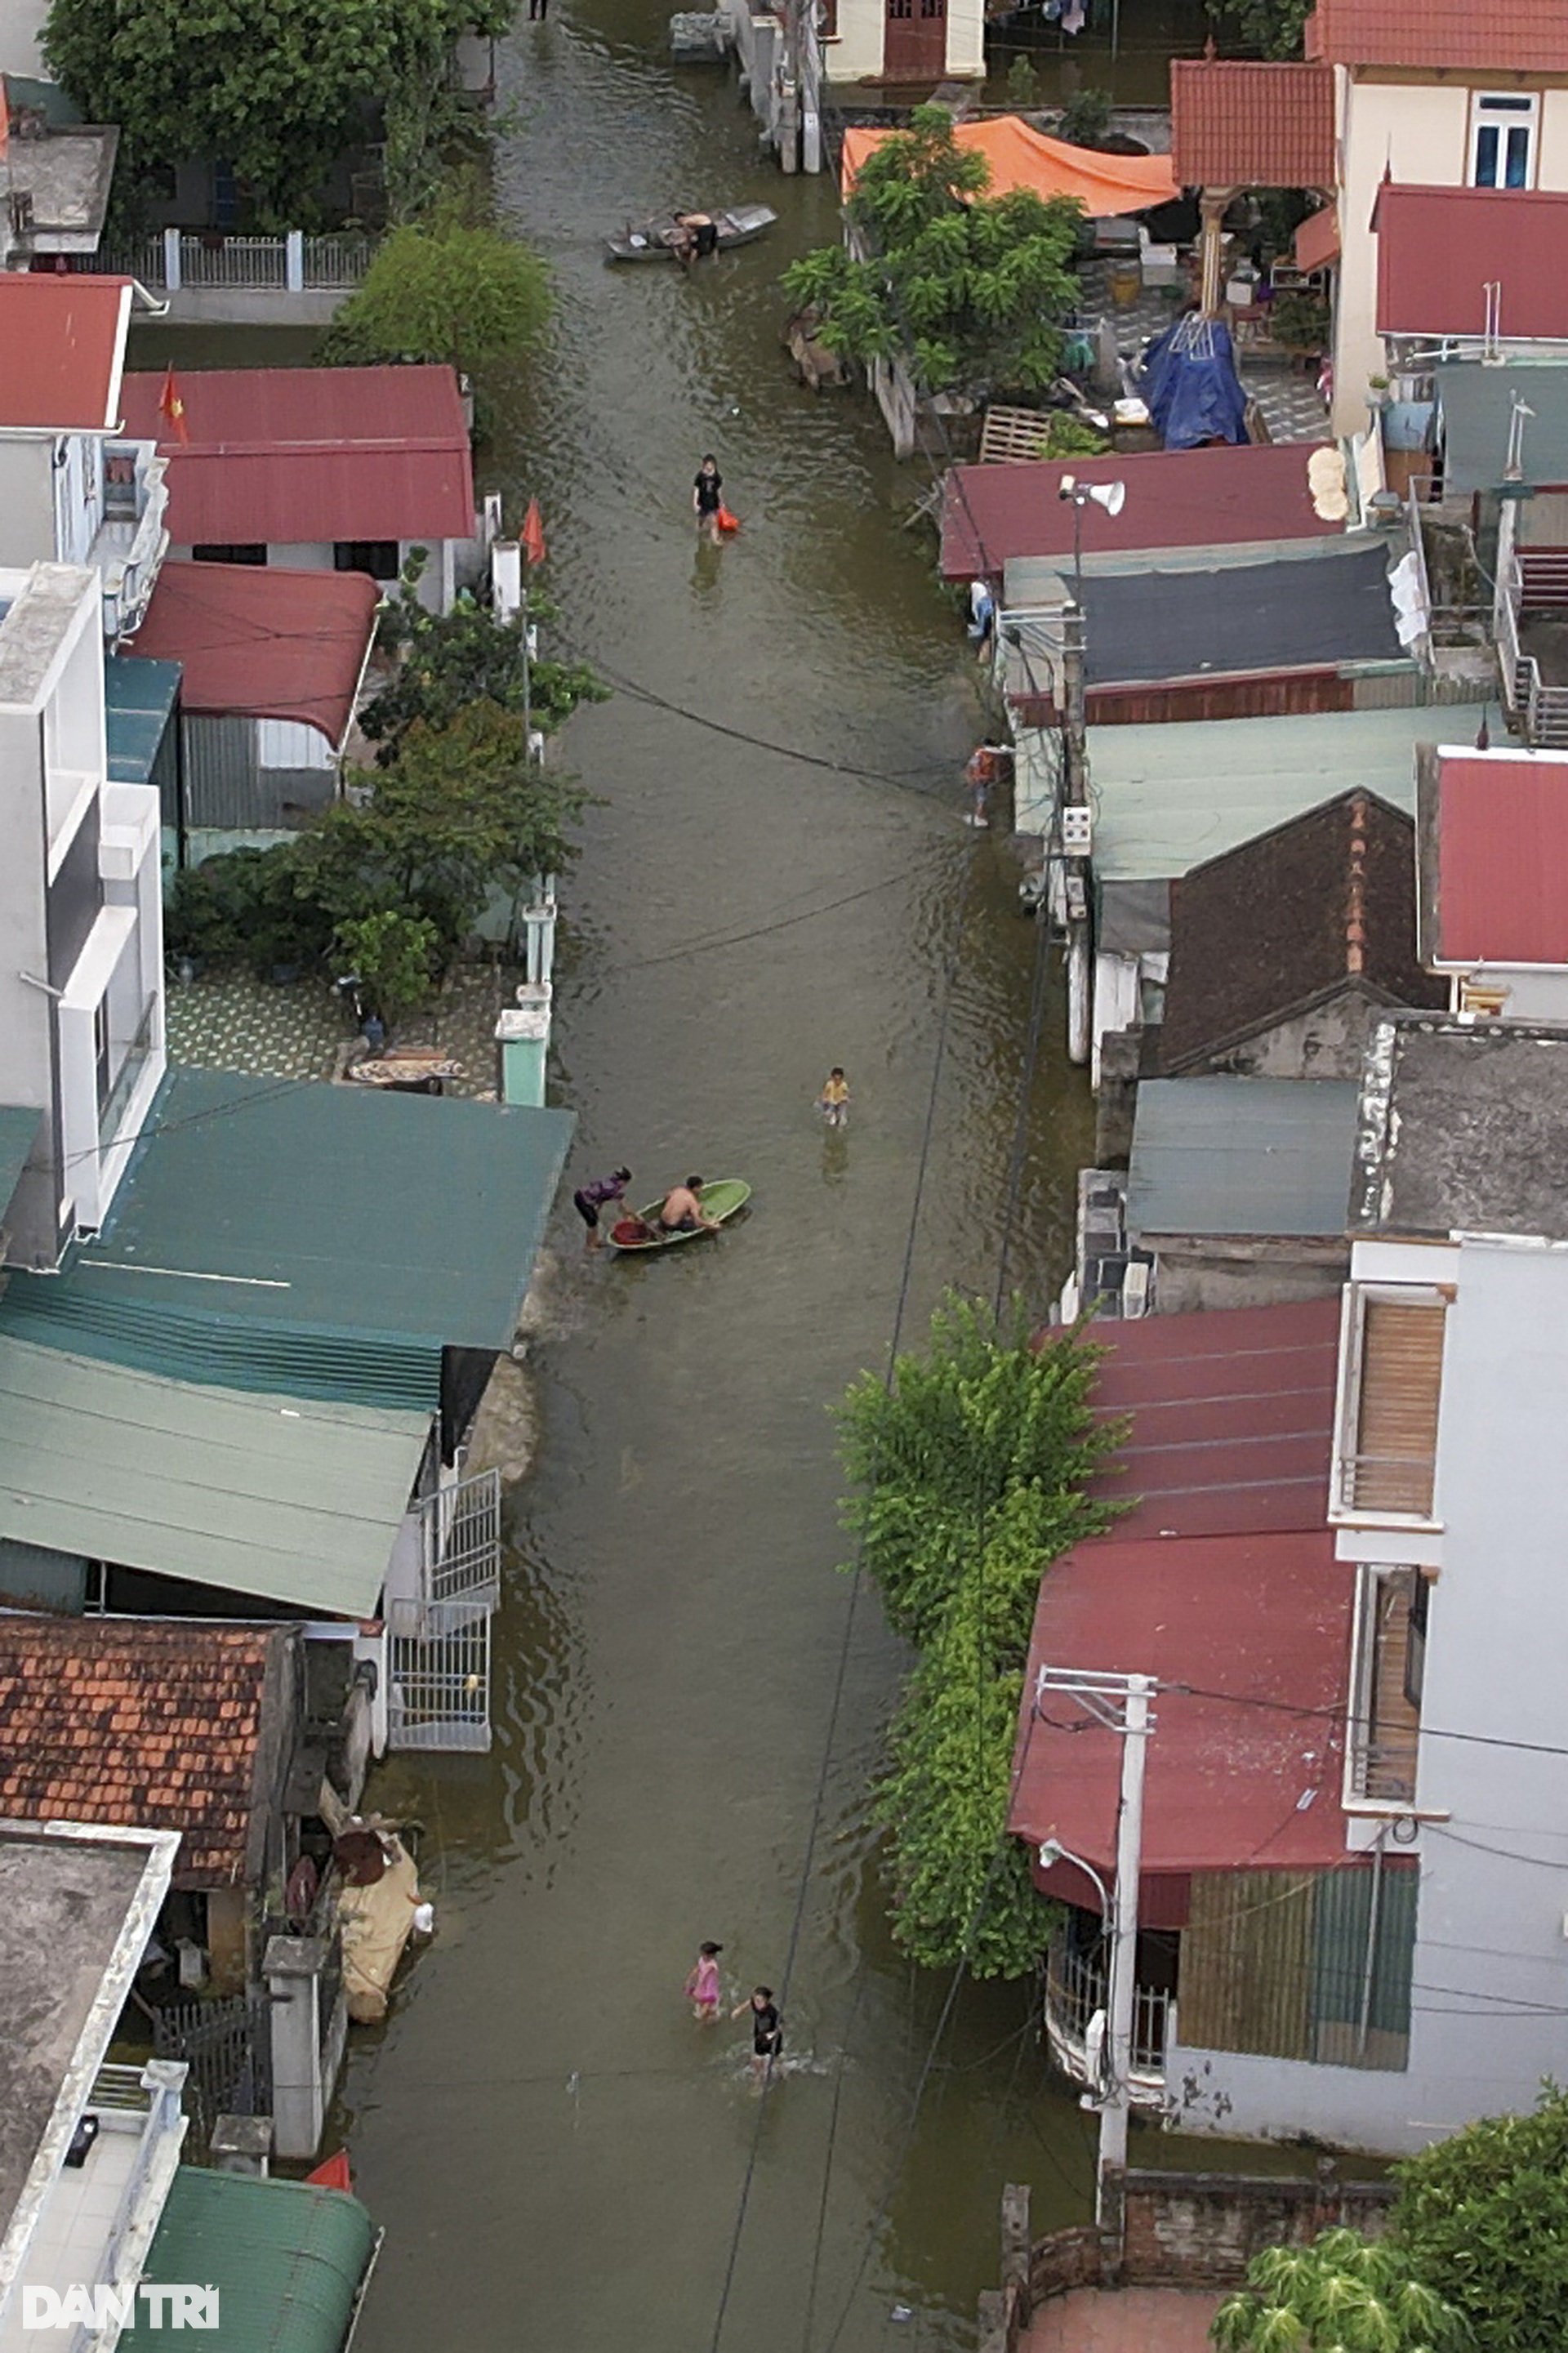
x: 857, y: 1581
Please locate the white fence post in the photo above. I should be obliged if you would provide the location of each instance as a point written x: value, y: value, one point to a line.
x: 294, y: 261
x: 172, y: 260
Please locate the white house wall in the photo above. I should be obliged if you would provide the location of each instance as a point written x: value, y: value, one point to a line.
x: 26, y: 497
x: 22, y: 26
x: 1490, y: 1976
x: 1420, y: 134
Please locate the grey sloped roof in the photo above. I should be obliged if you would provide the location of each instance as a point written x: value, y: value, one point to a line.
x: 1236, y: 1155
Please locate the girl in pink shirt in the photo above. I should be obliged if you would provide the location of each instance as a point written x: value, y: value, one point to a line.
x: 702, y: 1985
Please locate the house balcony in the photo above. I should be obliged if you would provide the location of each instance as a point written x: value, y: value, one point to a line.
x: 133, y: 539
x: 1387, y: 1664
x: 1075, y: 2009
x: 1390, y: 1382
x: 98, y: 2223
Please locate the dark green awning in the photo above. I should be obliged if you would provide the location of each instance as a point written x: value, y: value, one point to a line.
x: 18, y: 1128
x: 1476, y: 403
x: 288, y: 2260
x: 138, y: 702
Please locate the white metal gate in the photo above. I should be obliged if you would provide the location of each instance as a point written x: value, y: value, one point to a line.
x: 439, y: 1676
x: 462, y: 1542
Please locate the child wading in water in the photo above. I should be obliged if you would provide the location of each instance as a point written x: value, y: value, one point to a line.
x: 833, y: 1102
x: 702, y: 1985
x: 767, y: 2030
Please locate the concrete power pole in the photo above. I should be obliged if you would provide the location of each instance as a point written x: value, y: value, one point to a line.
x: 1120, y: 1703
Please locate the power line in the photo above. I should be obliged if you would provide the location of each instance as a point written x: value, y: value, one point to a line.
x: 857, y: 1581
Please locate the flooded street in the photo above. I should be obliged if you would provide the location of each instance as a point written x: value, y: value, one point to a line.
x: 775, y: 879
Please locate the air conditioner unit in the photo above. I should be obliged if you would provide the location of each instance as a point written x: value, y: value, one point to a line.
x: 1078, y: 830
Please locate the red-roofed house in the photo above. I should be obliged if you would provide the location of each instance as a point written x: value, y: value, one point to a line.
x: 342, y: 470
x: 1492, y: 903
x: 74, y: 487
x: 272, y: 664
x: 1446, y: 95
x: 1440, y: 251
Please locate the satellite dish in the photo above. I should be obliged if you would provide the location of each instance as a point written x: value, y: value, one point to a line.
x: 1111, y: 496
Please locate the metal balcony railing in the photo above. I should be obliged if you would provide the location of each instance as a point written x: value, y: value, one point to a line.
x: 1076, y: 1990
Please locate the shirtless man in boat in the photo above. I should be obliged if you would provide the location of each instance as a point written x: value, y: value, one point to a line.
x: 682, y: 1212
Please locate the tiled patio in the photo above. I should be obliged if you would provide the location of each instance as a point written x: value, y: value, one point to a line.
x: 1125, y: 2320
x: 1289, y: 401
x: 230, y: 1021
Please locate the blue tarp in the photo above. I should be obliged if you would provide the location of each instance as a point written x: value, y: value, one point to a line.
x: 1190, y: 383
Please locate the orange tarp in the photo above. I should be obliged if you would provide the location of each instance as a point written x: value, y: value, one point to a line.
x: 1020, y: 157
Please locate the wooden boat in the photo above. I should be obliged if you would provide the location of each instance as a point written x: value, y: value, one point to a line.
x: 660, y: 239
x: 721, y: 1200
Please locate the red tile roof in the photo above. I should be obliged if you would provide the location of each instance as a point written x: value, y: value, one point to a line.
x: 1230, y: 1785
x: 1439, y: 248
x: 1231, y: 1414
x: 1235, y: 125
x: 1502, y: 858
x: 62, y: 345
x: 1188, y: 498
x: 1317, y: 241
x: 264, y: 643
x: 1525, y: 36
x: 294, y: 457
x: 151, y: 1722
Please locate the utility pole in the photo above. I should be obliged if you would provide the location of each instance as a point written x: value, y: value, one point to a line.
x: 1120, y: 1703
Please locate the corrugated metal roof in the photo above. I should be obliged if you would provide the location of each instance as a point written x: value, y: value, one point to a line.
x: 1475, y: 405
x: 1175, y: 498
x: 287, y: 2258
x: 139, y: 697
x: 1231, y: 1415
x: 1502, y: 858
x: 264, y: 642
x: 1439, y: 250
x: 291, y: 1501
x: 1233, y: 620
x: 1234, y: 124
x: 1166, y: 799
x: 1229, y: 1783
x: 64, y: 341
x: 1242, y: 1156
x: 1527, y: 36
x: 298, y: 456
x: 331, y: 1209
x: 19, y: 1124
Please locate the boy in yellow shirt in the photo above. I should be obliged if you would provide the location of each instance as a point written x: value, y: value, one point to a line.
x: 833, y: 1102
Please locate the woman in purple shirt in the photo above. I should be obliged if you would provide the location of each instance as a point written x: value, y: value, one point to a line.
x: 590, y: 1198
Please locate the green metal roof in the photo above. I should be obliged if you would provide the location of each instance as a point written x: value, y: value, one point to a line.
x: 326, y: 1240
x: 1238, y: 1155
x: 18, y: 1128
x: 1165, y: 798
x: 1476, y: 406
x: 138, y: 703
x: 292, y: 1501
x: 288, y: 2260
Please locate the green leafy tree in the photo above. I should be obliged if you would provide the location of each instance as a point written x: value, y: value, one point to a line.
x: 451, y: 660
x: 1344, y: 2293
x: 1272, y: 27
x: 969, y: 288
x: 395, y: 954
x: 1086, y: 118
x: 983, y: 1420
x: 1483, y: 2217
x: 974, y: 1468
x: 276, y: 93
x: 446, y: 287
x: 460, y: 815
x: 1064, y: 436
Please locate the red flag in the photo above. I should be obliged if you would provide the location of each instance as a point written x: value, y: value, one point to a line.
x: 332, y: 2173
x: 171, y: 406
x: 5, y: 122
x: 533, y: 534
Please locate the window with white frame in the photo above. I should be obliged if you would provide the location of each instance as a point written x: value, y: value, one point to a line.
x: 1503, y: 128
x: 1391, y: 1385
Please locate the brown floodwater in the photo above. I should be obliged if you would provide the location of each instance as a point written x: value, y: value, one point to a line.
x: 774, y: 878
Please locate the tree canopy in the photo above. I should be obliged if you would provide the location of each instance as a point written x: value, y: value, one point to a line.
x: 277, y: 92
x: 1483, y: 2217
x: 450, y: 661
x: 972, y: 1468
x: 1272, y: 27
x: 968, y: 286
x: 446, y: 288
